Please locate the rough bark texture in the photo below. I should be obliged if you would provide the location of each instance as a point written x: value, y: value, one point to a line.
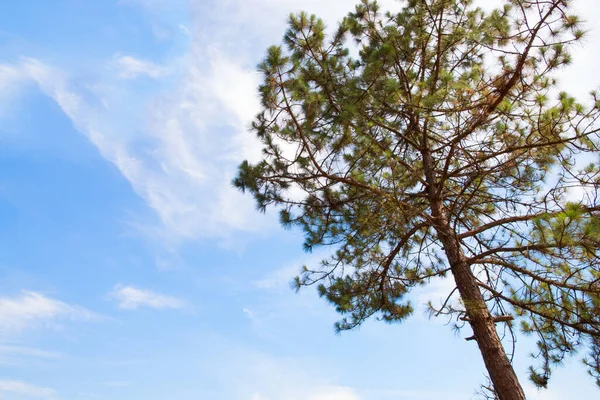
x: 501, y: 372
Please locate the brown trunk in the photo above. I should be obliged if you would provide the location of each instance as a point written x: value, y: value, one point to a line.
x: 500, y: 370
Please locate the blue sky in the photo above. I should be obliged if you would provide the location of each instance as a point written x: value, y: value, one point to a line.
x: 130, y: 269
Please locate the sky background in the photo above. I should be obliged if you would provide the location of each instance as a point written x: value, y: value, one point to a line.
x: 130, y: 269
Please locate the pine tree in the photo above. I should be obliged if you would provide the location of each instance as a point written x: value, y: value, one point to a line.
x: 434, y: 142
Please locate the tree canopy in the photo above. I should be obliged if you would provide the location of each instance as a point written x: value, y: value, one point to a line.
x: 434, y: 142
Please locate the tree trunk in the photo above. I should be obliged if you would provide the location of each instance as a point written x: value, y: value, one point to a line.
x: 501, y: 372
x: 503, y: 376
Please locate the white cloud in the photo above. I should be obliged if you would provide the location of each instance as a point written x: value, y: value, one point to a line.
x: 11, y: 355
x: 179, y: 146
x: 11, y: 82
x: 132, y: 298
x: 273, y: 14
x: 53, y: 83
x: 8, y: 75
x: 130, y: 67
x: 158, y: 13
x: 279, y: 278
x: 151, y: 5
x: 192, y: 143
x: 249, y: 313
x: 116, y: 383
x: 143, y: 3
x: 533, y: 393
x: 325, y: 393
x: 184, y: 29
x: 437, y: 292
x: 257, y: 322
x: 31, y: 309
x: 200, y: 134
x: 10, y: 78
x: 28, y: 352
x: 259, y: 376
x: 282, y: 277
x: 334, y: 393
x: 26, y: 389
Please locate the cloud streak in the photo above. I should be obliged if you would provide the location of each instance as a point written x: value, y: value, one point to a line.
x: 26, y: 389
x: 179, y: 142
x: 325, y: 393
x: 28, y: 352
x: 132, y: 298
x: 130, y: 67
x: 179, y: 150
x: 30, y: 309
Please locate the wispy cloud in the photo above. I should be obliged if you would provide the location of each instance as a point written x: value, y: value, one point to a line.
x: 130, y: 67
x: 116, y: 383
x: 132, y: 298
x: 26, y: 389
x: 437, y: 291
x: 262, y: 376
x: 415, y: 394
x: 158, y: 12
x: 144, y: 3
x: 28, y: 352
x: 325, y: 393
x: 200, y: 132
x: 9, y: 77
x: 184, y: 29
x: 535, y: 393
x: 11, y: 80
x: 31, y: 309
x: 281, y: 278
x: 180, y: 144
x: 24, y: 356
x: 334, y: 393
x: 180, y: 154
x: 249, y: 313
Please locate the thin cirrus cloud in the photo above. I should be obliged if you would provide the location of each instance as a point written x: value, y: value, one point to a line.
x: 282, y: 278
x: 326, y: 393
x: 180, y: 145
x: 9, y: 350
x: 132, y: 298
x: 116, y: 383
x: 335, y: 393
x: 25, y: 389
x: 31, y: 309
x: 193, y: 137
x: 130, y: 67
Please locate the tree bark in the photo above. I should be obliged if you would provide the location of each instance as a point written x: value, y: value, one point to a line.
x: 500, y: 370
